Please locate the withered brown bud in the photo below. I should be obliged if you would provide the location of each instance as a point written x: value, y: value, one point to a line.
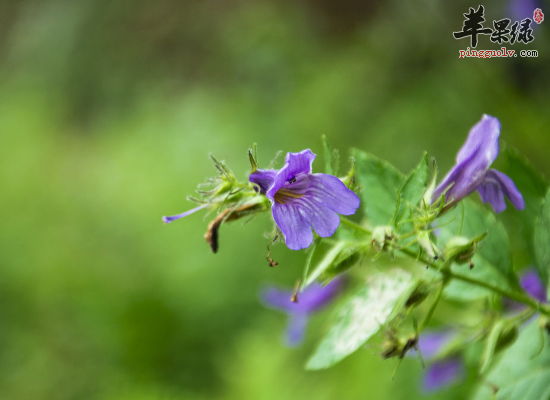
x: 211, y: 235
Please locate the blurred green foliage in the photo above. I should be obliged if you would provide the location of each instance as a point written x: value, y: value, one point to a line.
x: 108, y: 110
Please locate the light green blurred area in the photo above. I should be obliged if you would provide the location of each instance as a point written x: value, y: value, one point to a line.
x: 108, y: 111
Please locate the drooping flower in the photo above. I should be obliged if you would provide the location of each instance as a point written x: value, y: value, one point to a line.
x: 314, y: 298
x: 302, y: 200
x: 472, y: 172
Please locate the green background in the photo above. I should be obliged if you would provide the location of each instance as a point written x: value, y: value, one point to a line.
x: 108, y: 111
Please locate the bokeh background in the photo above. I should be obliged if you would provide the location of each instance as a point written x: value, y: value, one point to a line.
x: 108, y: 111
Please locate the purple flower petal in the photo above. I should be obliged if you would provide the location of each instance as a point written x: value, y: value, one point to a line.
x: 491, y: 193
x: 320, y: 217
x: 473, y: 160
x: 482, y: 142
x: 300, y: 163
x: 433, y: 342
x: 317, y: 296
x: 312, y: 299
x: 295, y: 164
x: 495, y: 186
x: 263, y: 178
x: 532, y: 284
x: 278, y: 299
x: 167, y: 220
x: 333, y: 193
x: 293, y: 221
x: 296, y: 329
x: 443, y: 373
x: 316, y: 199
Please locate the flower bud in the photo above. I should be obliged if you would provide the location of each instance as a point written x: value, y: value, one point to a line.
x: 507, y: 337
x: 425, y: 241
x: 397, y: 347
x: 383, y: 238
x: 349, y: 180
x: 461, y: 249
x: 544, y: 323
x: 419, y: 294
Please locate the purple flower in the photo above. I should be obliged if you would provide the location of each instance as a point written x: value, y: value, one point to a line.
x: 532, y: 284
x: 312, y: 299
x: 302, y: 200
x: 442, y: 372
x: 472, y: 172
x: 431, y: 343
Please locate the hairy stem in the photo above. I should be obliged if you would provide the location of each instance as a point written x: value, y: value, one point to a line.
x: 355, y: 226
x: 520, y: 297
x: 434, y: 305
x: 514, y: 295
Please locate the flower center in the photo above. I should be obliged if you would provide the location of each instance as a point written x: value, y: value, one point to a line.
x: 283, y: 196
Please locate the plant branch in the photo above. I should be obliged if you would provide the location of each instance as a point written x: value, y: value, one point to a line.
x: 520, y: 297
x: 517, y: 296
x: 355, y: 226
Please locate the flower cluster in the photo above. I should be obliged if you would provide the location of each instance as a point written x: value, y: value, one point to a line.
x: 401, y: 220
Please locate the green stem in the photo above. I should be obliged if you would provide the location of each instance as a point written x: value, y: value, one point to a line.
x: 517, y: 296
x: 434, y: 305
x: 355, y: 226
x: 308, y: 263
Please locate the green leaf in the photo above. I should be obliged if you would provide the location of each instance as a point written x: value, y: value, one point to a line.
x: 521, y: 373
x: 414, y: 187
x: 381, y: 183
x: 503, y: 334
x: 431, y: 186
x: 491, y: 345
x: 492, y: 260
x: 327, y: 261
x: 542, y: 240
x: 346, y: 259
x: 361, y: 317
x: 533, y: 186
